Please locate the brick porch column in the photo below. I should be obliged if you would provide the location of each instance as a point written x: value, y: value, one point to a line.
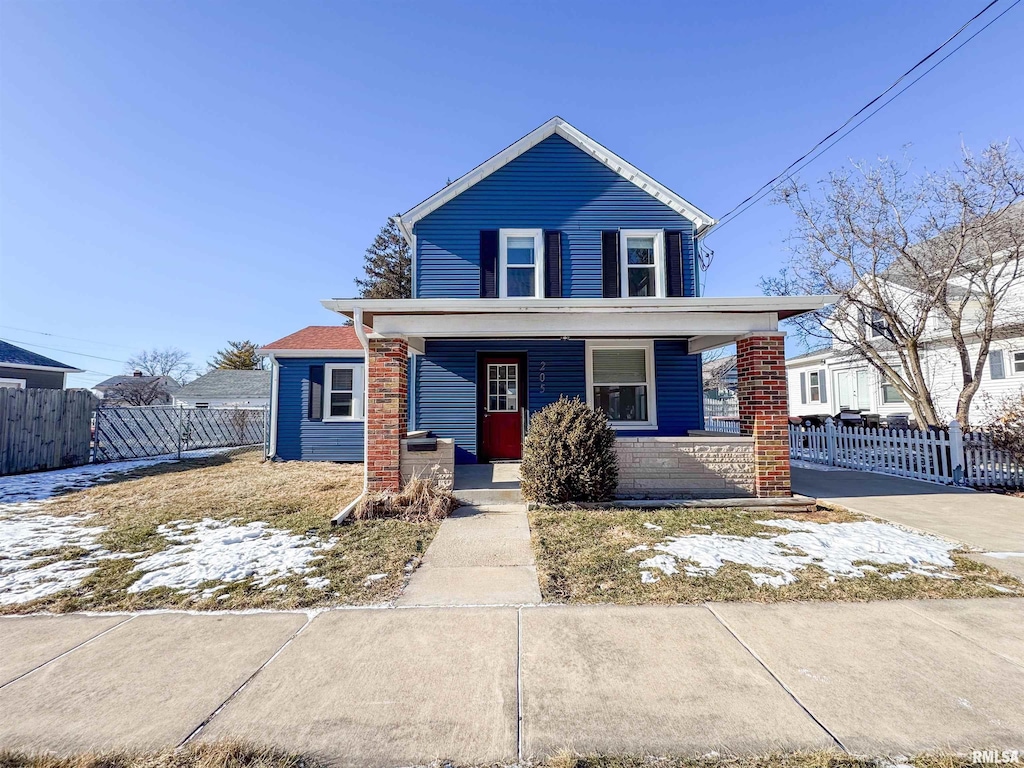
x: 387, y: 382
x: 764, y: 409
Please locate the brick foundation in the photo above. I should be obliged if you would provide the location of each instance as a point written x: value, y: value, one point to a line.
x: 388, y: 382
x: 764, y: 411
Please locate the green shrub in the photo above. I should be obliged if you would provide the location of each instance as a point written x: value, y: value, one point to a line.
x: 569, y: 455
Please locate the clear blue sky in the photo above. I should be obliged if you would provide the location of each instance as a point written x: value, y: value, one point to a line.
x: 184, y: 173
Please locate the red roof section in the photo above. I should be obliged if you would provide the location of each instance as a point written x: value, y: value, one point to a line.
x: 317, y: 337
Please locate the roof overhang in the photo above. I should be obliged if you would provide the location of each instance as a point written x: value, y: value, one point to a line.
x: 56, y: 368
x: 274, y: 353
x: 707, y: 322
x: 555, y: 125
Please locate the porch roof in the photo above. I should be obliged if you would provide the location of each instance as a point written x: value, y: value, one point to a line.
x: 707, y: 322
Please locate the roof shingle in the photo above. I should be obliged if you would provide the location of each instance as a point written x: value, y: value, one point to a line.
x: 318, y: 337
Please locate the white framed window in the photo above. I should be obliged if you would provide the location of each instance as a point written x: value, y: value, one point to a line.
x: 620, y: 382
x: 890, y: 394
x: 521, y: 263
x: 1018, y: 362
x: 502, y: 387
x: 642, y: 261
x: 12, y: 383
x: 814, y: 386
x: 343, y: 392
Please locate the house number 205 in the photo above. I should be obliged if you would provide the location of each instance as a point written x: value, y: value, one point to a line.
x: 542, y: 375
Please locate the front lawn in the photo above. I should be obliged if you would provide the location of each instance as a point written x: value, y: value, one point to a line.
x: 227, y: 532
x: 633, y: 556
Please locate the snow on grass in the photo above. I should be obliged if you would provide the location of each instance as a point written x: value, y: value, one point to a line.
x: 845, y: 550
x: 36, y: 486
x: 28, y: 568
x: 225, y: 551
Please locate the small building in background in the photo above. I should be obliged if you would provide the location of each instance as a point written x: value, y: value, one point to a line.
x: 23, y: 369
x: 226, y: 389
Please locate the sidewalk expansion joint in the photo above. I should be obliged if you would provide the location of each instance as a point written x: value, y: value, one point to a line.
x: 69, y: 650
x: 519, y: 684
x: 206, y: 721
x: 776, y: 678
x: 968, y: 638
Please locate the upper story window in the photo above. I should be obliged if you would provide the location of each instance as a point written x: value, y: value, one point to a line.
x: 642, y: 261
x: 521, y: 263
x: 620, y: 382
x: 343, y: 392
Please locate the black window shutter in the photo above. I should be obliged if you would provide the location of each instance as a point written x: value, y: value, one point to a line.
x: 674, y: 262
x: 995, y: 364
x: 489, y: 264
x: 553, y: 264
x: 610, y: 265
x: 316, y: 393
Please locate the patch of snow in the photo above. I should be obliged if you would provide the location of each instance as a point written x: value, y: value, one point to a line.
x: 373, y: 578
x: 1003, y: 555
x: 999, y: 588
x: 218, y: 550
x: 26, y: 575
x: 317, y: 582
x: 647, y: 577
x: 36, y: 486
x: 697, y: 525
x: 834, y: 547
x: 652, y: 526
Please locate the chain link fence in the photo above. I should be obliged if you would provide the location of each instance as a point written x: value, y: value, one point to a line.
x: 123, y: 433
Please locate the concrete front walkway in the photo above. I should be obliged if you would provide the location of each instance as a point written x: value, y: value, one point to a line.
x: 985, y: 521
x: 370, y: 687
x: 480, y: 556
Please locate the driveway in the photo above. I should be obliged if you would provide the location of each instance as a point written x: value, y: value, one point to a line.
x: 487, y: 685
x: 984, y: 521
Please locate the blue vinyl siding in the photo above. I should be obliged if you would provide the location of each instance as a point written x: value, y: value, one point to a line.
x: 446, y: 399
x: 298, y: 438
x: 554, y: 185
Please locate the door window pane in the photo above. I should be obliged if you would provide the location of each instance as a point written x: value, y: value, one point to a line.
x: 502, y: 387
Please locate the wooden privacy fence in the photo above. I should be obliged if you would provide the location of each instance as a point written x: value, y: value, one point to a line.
x: 938, y: 456
x: 44, y: 428
x: 160, y: 430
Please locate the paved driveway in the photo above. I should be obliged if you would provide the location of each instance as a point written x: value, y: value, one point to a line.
x: 486, y: 685
x: 985, y: 521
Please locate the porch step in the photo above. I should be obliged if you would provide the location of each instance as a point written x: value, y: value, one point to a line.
x: 484, y: 496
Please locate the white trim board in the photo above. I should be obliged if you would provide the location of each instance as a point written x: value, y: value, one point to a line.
x: 555, y: 125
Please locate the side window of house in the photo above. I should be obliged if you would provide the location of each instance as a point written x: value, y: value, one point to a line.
x: 814, y: 384
x: 521, y: 263
x: 642, y: 263
x: 995, y: 364
x: 1018, y: 362
x: 620, y: 383
x: 343, y: 389
x: 890, y: 394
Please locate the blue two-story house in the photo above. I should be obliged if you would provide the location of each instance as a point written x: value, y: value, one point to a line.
x: 556, y: 268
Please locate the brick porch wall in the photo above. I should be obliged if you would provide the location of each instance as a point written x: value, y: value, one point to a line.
x: 764, y: 411
x: 388, y: 382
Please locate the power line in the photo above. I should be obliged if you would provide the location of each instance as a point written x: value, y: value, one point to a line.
x: 65, y: 351
x: 811, y: 154
x: 70, y: 338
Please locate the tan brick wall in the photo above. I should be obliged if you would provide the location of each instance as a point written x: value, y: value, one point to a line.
x: 439, y: 464
x: 699, y: 467
x: 764, y: 409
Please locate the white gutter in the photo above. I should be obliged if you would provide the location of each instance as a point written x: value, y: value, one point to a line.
x: 357, y: 320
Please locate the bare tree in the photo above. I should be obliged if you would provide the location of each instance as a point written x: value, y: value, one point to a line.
x: 717, y: 364
x: 170, y: 361
x: 139, y: 390
x: 917, y: 262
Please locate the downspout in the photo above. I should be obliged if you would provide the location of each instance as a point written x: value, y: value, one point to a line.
x: 275, y: 386
x: 357, y: 322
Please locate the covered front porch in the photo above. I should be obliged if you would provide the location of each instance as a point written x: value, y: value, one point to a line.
x: 470, y: 372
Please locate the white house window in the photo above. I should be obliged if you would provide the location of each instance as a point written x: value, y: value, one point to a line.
x: 343, y: 392
x: 620, y: 382
x: 521, y: 257
x: 1018, y: 362
x: 890, y: 394
x: 814, y: 385
x: 642, y: 262
x: 12, y: 383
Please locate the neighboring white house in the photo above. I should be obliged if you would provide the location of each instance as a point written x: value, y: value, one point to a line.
x: 226, y: 389
x: 826, y: 381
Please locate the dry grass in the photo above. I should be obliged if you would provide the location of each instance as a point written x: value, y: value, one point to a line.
x: 422, y: 499
x: 299, y: 497
x: 582, y: 558
x: 236, y: 755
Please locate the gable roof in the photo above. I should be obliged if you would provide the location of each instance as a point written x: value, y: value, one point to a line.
x: 814, y: 354
x: 169, y: 384
x: 555, y: 125
x: 317, y: 338
x: 16, y: 357
x: 228, y: 383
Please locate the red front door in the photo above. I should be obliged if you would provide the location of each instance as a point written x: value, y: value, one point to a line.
x: 502, y: 403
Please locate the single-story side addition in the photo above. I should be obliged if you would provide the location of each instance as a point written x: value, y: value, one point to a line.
x: 555, y: 268
x: 23, y: 369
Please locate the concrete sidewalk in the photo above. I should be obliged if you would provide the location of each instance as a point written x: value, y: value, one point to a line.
x: 985, y: 521
x: 374, y: 687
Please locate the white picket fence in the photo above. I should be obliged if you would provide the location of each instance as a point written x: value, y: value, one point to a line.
x: 951, y: 458
x: 722, y: 415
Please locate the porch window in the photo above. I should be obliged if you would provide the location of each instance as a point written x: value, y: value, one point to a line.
x: 642, y: 262
x: 620, y: 382
x: 521, y: 257
x: 343, y: 390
